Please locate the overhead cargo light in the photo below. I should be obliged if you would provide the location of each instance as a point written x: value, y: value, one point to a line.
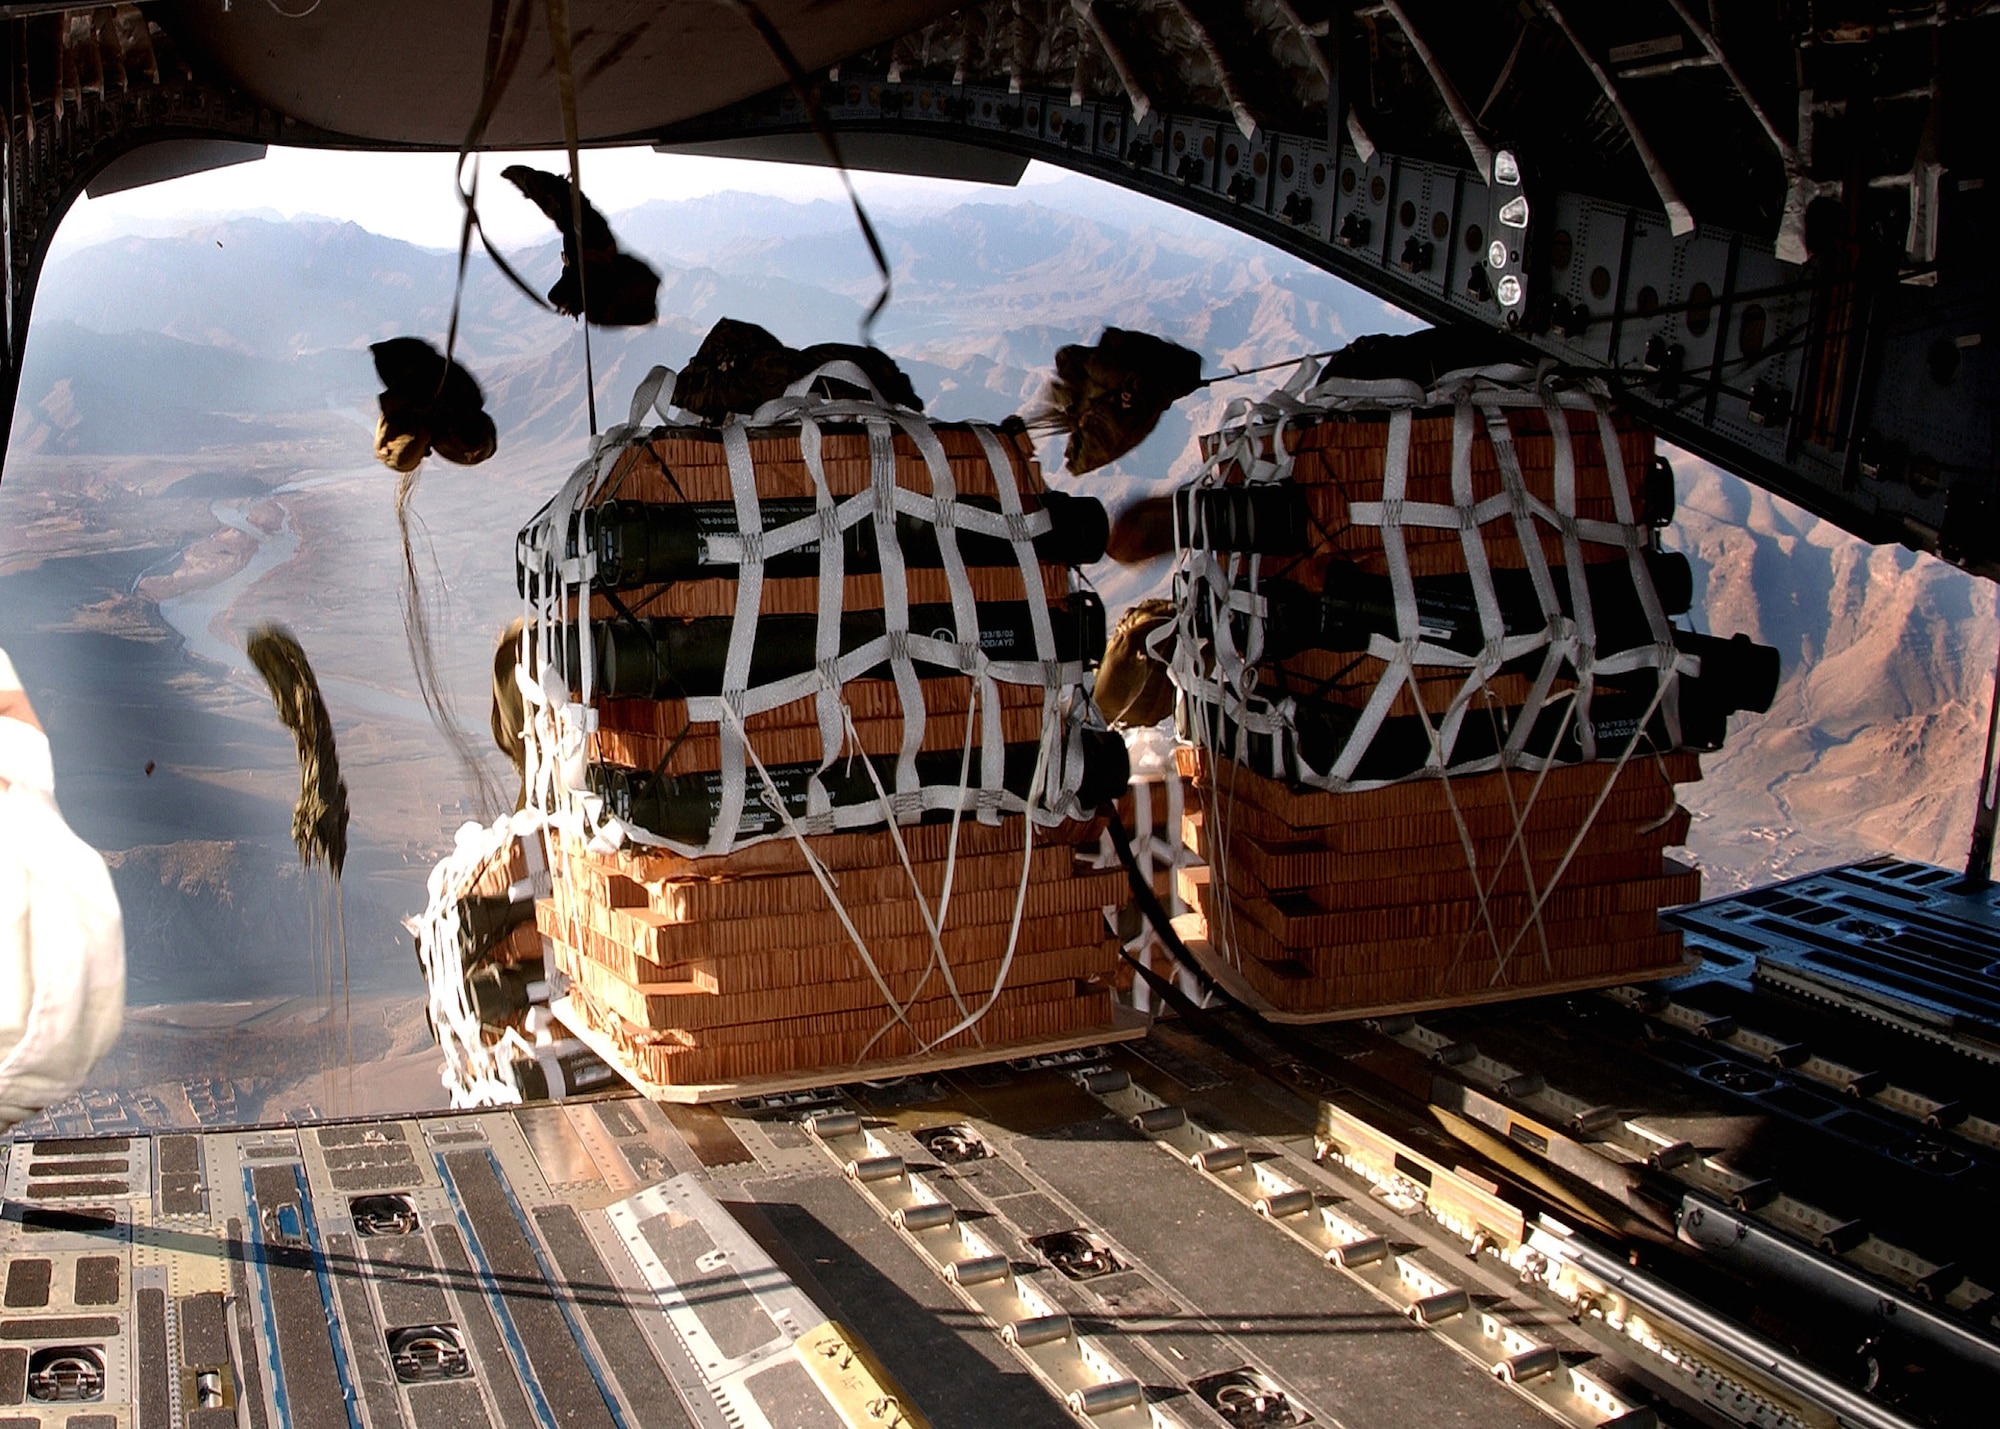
x: 1514, y: 213
x: 1506, y: 168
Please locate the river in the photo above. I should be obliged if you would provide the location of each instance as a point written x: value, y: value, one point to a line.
x: 202, y: 616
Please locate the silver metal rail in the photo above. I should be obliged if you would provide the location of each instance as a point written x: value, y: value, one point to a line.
x: 1565, y: 1247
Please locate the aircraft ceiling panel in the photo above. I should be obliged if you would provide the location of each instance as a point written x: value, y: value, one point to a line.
x: 409, y: 74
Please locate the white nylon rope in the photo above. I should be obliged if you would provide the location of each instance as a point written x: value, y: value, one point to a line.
x: 1583, y: 828
x: 823, y: 877
x: 474, y: 1072
x: 931, y: 922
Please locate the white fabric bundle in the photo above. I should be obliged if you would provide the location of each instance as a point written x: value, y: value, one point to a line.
x: 62, y: 940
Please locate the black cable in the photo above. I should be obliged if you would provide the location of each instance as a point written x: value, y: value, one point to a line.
x: 795, y: 73
x: 1149, y: 905
x: 507, y: 32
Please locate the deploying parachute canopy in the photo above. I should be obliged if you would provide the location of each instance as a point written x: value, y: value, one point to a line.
x: 599, y: 283
x: 319, y: 820
x: 428, y: 405
x: 1141, y: 531
x: 1421, y: 357
x: 1134, y: 687
x: 740, y: 366
x: 1108, y: 398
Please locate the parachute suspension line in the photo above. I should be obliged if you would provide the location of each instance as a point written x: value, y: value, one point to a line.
x: 332, y: 1009
x: 507, y: 30
x: 320, y: 817
x: 939, y: 961
x: 559, y: 46
x: 1519, y: 815
x: 314, y: 945
x: 796, y: 75
x: 330, y: 1065
x: 346, y: 993
x: 423, y: 653
x: 932, y: 922
x: 469, y: 195
x: 776, y: 803
x: 1238, y: 372
x: 1051, y: 732
x: 1668, y: 680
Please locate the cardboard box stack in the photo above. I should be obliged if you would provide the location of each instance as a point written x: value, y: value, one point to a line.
x: 1342, y: 904
x: 1365, y: 901
x: 736, y: 972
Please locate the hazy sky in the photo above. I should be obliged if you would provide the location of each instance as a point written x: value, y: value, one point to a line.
x: 412, y: 196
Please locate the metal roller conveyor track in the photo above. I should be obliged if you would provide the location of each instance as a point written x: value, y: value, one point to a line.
x: 1549, y: 1209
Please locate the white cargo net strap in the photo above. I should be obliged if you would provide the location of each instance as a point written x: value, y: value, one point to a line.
x: 1222, y: 679
x: 476, y: 1072
x: 557, y: 598
x: 560, y: 583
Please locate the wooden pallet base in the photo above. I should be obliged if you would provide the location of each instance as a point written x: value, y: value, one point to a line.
x: 1231, y: 980
x: 1126, y: 1026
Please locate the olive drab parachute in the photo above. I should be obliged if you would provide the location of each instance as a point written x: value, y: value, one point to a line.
x: 738, y: 367
x: 428, y: 405
x: 1108, y: 398
x: 600, y: 282
x: 741, y: 366
x: 1421, y: 357
x: 1142, y: 531
x: 891, y: 382
x: 319, y: 820
x: 1135, y: 685
x: 509, y: 714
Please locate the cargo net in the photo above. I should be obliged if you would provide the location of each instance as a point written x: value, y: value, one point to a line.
x: 791, y: 681
x: 743, y: 796
x: 1380, y: 584
x: 1230, y: 622
x: 459, y: 936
